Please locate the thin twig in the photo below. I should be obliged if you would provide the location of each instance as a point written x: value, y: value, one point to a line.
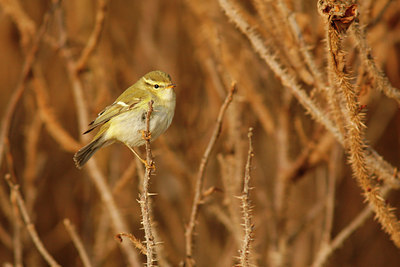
x: 298, y: 36
x: 145, y: 205
x: 26, y: 70
x: 94, y: 38
x: 334, y: 170
x: 77, y: 242
x: 95, y: 174
x: 247, y: 208
x: 136, y: 242
x: 197, y: 200
x: 375, y: 162
x: 325, y: 252
x: 382, y: 82
x: 379, y: 16
x: 26, y: 26
x: 29, y: 225
x: 17, y: 224
x: 52, y: 123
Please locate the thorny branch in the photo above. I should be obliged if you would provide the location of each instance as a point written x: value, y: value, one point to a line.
x: 145, y: 204
x: 197, y: 199
x: 247, y: 208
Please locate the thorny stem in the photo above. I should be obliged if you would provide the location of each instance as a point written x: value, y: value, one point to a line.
x: 145, y: 196
x: 197, y: 200
x: 376, y: 163
x: 356, y: 145
x: 247, y: 208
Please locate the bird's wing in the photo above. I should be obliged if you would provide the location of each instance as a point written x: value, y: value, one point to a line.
x: 118, y: 107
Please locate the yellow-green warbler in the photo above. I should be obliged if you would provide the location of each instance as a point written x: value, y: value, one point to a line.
x: 125, y: 119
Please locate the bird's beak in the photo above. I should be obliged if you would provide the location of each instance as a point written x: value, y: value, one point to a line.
x: 171, y: 85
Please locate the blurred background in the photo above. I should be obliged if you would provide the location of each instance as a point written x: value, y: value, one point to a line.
x: 303, y: 193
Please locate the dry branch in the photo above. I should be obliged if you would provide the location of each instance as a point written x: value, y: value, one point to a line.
x: 29, y: 225
x: 26, y: 70
x: 355, y: 139
x: 245, y: 255
x: 77, y: 242
x: 144, y: 202
x: 91, y: 44
x: 94, y: 172
x: 382, y: 83
x: 197, y: 200
x: 374, y: 161
x: 53, y: 126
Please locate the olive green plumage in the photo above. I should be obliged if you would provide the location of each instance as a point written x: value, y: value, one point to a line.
x: 124, y: 120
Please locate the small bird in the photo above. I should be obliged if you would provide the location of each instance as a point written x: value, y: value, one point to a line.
x: 125, y: 119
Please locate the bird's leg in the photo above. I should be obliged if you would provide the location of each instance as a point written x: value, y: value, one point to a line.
x: 142, y: 160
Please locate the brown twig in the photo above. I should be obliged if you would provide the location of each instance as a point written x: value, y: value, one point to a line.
x: 53, y: 126
x: 77, y: 242
x: 375, y: 162
x: 136, y: 242
x: 32, y: 164
x: 17, y: 224
x: 197, y: 199
x: 326, y: 251
x: 355, y: 140
x: 25, y: 24
x: 144, y: 202
x: 125, y: 178
x: 29, y: 225
x: 95, y: 174
x: 94, y: 38
x: 334, y: 170
x: 26, y: 70
x: 381, y: 81
x: 109, y: 202
x: 304, y: 50
x: 247, y: 208
x: 282, y: 183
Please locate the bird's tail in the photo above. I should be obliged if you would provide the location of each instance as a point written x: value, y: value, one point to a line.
x: 86, y: 152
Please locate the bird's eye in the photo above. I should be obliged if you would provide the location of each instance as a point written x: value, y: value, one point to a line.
x: 156, y: 86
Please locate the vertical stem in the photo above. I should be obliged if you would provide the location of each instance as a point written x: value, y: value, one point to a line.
x: 200, y: 180
x: 145, y: 196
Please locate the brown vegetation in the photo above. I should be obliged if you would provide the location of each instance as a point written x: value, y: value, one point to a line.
x: 283, y: 148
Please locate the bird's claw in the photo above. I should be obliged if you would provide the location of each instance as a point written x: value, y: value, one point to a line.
x: 146, y: 135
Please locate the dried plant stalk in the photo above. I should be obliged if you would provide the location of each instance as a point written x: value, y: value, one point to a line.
x: 26, y: 69
x: 197, y: 200
x: 29, y: 225
x: 145, y: 205
x: 382, y: 83
x: 136, y: 242
x: 66, y: 141
x: 375, y: 162
x: 77, y: 242
x: 91, y: 44
x: 97, y: 177
x: 356, y: 129
x: 17, y: 237
x: 248, y: 226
